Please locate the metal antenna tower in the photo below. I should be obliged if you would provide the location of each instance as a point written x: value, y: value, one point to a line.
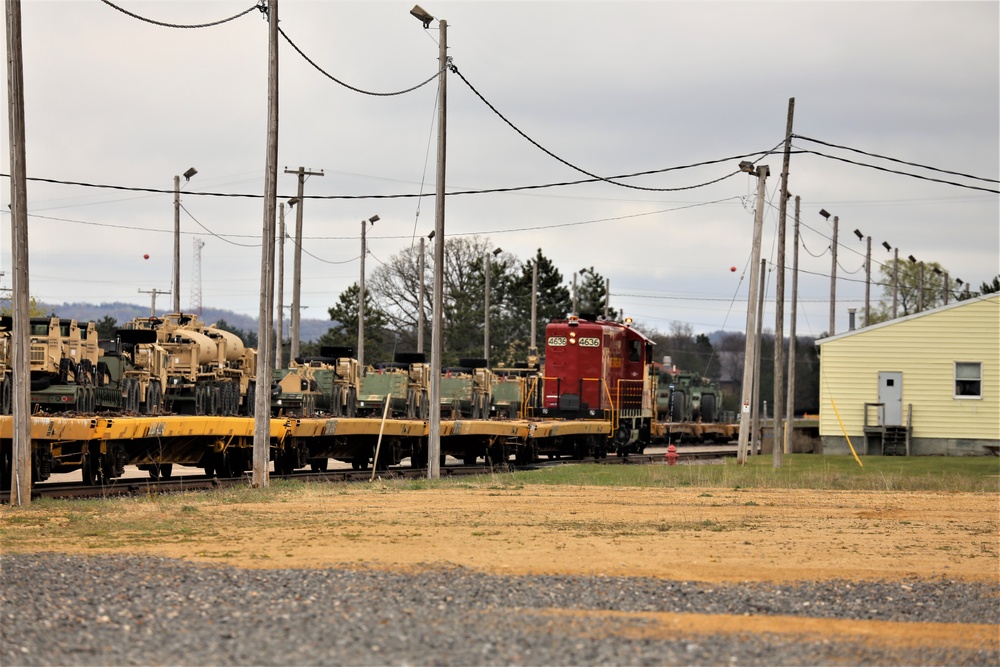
x: 196, y: 277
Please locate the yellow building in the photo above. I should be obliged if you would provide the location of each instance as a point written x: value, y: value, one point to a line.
x: 926, y: 384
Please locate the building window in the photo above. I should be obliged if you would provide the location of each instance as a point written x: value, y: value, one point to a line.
x: 968, y: 379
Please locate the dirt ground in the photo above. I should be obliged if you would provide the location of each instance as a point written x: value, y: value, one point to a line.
x: 691, y: 534
x: 711, y: 535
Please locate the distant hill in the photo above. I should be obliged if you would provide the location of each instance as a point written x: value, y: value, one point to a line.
x: 310, y: 330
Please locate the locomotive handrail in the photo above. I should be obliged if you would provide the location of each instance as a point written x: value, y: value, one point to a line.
x: 614, y: 413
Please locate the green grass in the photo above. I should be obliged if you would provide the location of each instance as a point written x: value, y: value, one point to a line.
x: 806, y: 471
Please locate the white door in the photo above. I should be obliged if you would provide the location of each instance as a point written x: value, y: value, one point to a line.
x: 890, y: 394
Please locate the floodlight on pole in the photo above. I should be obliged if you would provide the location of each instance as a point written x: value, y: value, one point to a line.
x: 422, y: 15
x: 823, y: 212
x: 857, y: 232
x: 885, y: 244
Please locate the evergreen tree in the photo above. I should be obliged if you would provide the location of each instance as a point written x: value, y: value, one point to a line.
x: 991, y: 287
x: 106, y: 327
x: 249, y: 338
x: 592, y: 295
x: 379, y: 341
x: 553, y: 302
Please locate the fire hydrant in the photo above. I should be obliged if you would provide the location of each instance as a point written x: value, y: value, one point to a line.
x: 671, y: 455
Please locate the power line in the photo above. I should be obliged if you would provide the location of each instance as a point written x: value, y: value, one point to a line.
x: 400, y: 195
x: 892, y: 159
x: 347, y: 85
x: 901, y: 173
x: 610, y: 180
x: 261, y: 6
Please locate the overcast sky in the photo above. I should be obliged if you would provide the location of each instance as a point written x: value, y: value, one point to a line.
x: 613, y: 88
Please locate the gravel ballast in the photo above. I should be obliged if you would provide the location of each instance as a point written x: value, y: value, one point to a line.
x: 119, y: 610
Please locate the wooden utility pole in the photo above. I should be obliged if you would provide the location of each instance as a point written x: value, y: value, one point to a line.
x: 297, y: 261
x: 779, y: 295
x: 437, y: 305
x: 420, y: 298
x: 152, y: 305
x: 790, y: 414
x: 20, y: 485
x: 279, y: 290
x: 607, y: 296
x: 262, y: 396
x: 756, y: 433
x: 868, y: 283
x: 895, y: 284
x: 361, y: 294
x: 575, y: 312
x: 533, y: 350
x: 920, y: 291
x: 833, y: 278
x: 749, y: 352
x: 487, y: 270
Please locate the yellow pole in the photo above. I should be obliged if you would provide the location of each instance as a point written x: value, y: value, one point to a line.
x: 378, y: 443
x: 837, y: 412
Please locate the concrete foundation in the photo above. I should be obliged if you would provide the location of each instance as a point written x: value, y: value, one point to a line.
x: 918, y: 446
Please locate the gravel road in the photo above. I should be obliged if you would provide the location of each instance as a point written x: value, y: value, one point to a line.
x: 119, y: 610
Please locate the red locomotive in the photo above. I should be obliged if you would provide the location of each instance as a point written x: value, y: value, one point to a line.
x: 600, y: 370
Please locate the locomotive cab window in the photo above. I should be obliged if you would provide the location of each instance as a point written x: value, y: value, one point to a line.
x: 968, y: 379
x: 635, y: 350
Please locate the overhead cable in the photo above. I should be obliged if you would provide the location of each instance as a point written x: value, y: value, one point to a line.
x: 259, y: 6
x: 892, y: 159
x: 901, y: 173
x: 612, y: 180
x: 347, y: 85
x: 400, y: 196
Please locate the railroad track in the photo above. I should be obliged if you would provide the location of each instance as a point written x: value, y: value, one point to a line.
x: 136, y: 487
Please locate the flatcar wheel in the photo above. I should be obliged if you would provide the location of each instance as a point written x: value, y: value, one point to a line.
x: 6, y: 465
x: 166, y: 470
x: 5, y: 396
x: 89, y: 470
x: 107, y: 465
x: 222, y: 466
x: 318, y: 464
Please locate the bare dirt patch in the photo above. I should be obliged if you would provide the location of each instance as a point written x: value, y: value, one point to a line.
x: 692, y: 534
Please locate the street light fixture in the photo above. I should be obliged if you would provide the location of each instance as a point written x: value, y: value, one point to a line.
x: 885, y: 244
x: 857, y: 232
x: 422, y: 15
x: 177, y: 236
x: 361, y: 293
x: 823, y: 212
